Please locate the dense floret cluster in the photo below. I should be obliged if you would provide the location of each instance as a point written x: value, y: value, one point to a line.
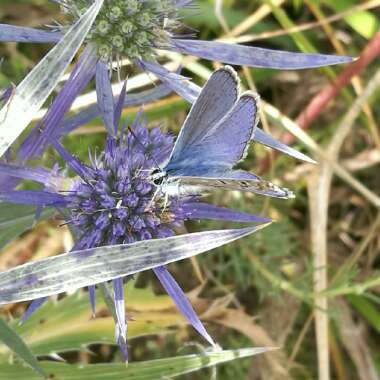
x: 130, y: 28
x: 117, y: 203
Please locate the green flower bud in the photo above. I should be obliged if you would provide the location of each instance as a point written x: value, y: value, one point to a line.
x: 104, y: 50
x: 132, y: 6
x: 144, y: 19
x: 115, y: 13
x: 142, y: 38
x: 127, y: 27
x: 103, y: 27
x: 132, y: 52
x: 118, y: 42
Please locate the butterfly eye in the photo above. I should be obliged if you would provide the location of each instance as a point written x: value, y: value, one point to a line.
x: 158, y: 181
x: 157, y: 177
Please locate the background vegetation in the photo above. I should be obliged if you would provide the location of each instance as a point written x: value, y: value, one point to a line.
x: 309, y: 283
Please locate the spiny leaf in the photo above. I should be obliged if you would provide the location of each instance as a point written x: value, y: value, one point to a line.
x: 149, y: 370
x: 67, y: 325
x: 74, y: 270
x: 15, y: 219
x: 32, y: 92
x: 17, y: 345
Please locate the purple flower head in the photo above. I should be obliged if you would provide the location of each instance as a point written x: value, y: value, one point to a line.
x: 115, y: 203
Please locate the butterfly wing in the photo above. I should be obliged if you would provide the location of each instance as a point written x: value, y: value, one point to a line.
x: 214, y: 138
x: 217, y: 97
x: 222, y: 144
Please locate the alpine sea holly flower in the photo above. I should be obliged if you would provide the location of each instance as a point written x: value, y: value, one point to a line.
x: 113, y: 202
x: 110, y: 203
x: 136, y: 29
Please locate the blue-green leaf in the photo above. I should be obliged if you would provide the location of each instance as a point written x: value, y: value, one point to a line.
x: 17, y: 345
x: 16, y: 219
x: 148, y: 370
x: 32, y: 92
x: 75, y: 270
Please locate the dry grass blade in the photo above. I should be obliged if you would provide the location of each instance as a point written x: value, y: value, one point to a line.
x: 358, y: 252
x: 355, y: 343
x: 363, y: 160
x: 261, y: 13
x: 339, y: 47
x: 319, y: 191
x: 244, y: 323
x: 298, y: 28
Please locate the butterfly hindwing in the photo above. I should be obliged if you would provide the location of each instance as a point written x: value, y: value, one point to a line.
x: 222, y: 144
x: 257, y: 185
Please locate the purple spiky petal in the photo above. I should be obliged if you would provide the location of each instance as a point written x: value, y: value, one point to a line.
x: 179, y: 297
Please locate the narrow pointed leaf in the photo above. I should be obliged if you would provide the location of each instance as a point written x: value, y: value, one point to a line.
x: 40, y: 175
x: 180, y: 299
x: 16, y: 219
x: 201, y: 210
x: 105, y: 97
x: 92, y: 299
x: 148, y: 370
x: 83, y: 71
x: 32, y: 92
x: 33, y: 307
x: 36, y: 198
x: 121, y: 325
x: 74, y: 270
x: 178, y: 83
x: 235, y: 54
x: 17, y: 345
x: 14, y: 33
x: 119, y: 304
x: 81, y: 169
x: 91, y: 112
x: 265, y: 139
x: 119, y: 105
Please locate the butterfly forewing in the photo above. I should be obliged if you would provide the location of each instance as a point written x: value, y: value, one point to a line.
x: 217, y: 97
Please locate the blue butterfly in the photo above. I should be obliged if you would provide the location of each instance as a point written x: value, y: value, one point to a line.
x: 214, y: 138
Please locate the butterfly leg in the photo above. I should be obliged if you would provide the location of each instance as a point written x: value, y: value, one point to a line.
x: 171, y: 189
x: 153, y: 198
x: 166, y: 201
